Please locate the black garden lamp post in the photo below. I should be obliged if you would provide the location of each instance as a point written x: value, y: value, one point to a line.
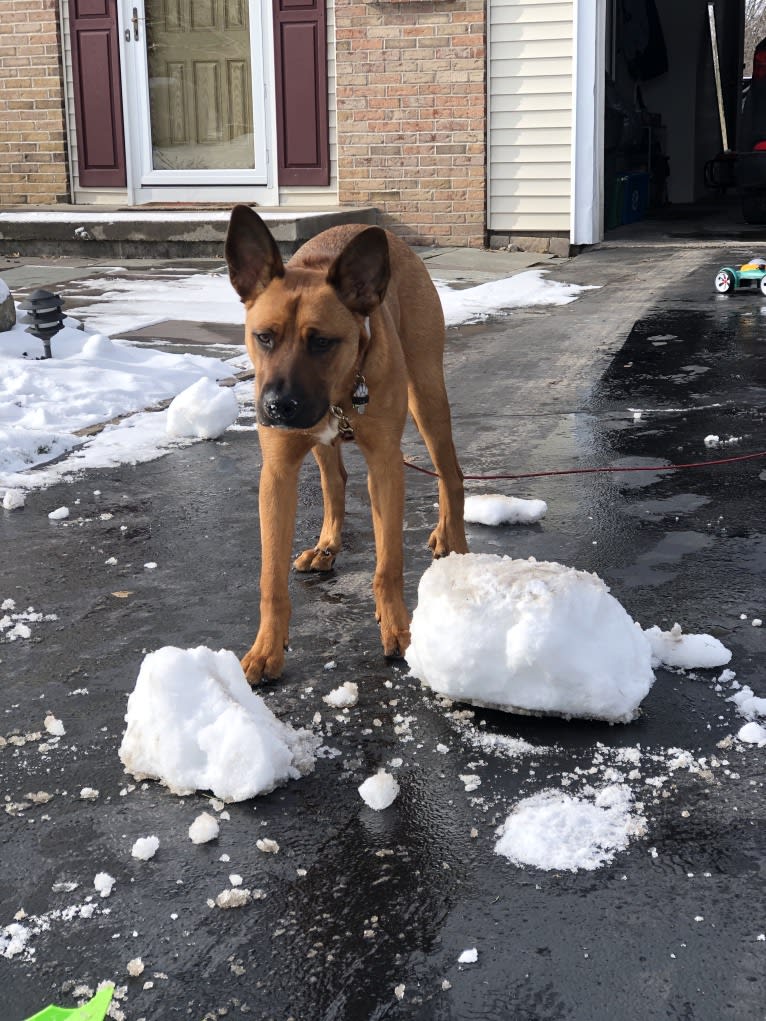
x: 44, y: 313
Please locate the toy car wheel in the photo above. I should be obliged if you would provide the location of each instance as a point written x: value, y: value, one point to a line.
x: 724, y: 281
x: 763, y: 285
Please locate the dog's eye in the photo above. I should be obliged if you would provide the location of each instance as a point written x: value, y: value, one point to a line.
x: 318, y: 343
x: 265, y: 340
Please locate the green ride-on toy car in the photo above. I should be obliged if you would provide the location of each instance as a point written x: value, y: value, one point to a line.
x: 752, y: 274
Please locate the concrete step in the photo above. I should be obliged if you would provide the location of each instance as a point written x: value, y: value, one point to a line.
x: 154, y: 232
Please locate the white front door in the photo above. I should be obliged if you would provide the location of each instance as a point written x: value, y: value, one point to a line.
x: 195, y: 74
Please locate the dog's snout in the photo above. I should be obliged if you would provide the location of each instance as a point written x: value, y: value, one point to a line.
x: 280, y: 408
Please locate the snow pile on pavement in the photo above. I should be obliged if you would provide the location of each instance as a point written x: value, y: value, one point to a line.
x: 491, y: 509
x: 551, y: 830
x: 203, y: 411
x: 526, y: 635
x: 194, y: 723
x: 89, y: 380
x: 519, y: 291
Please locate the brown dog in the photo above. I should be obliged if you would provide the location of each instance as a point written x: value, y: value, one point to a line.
x: 353, y: 311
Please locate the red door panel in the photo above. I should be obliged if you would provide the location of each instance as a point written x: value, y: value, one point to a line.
x: 301, y: 83
x: 97, y: 93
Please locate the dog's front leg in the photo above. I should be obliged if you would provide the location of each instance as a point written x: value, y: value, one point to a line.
x: 385, y: 482
x: 283, y: 454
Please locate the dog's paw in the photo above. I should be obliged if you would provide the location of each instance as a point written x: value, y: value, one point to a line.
x: 262, y: 664
x: 442, y: 543
x: 315, y: 560
x: 395, y: 638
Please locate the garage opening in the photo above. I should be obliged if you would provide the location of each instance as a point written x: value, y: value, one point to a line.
x: 673, y: 122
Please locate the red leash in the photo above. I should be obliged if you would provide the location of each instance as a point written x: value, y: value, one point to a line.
x: 596, y: 471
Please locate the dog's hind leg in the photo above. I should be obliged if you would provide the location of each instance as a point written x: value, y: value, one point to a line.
x: 333, y: 475
x: 430, y: 410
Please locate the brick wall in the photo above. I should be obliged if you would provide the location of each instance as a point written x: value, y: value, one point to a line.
x: 33, y: 160
x: 411, y: 115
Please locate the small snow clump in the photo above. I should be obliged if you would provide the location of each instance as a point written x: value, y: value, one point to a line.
x: 470, y: 956
x: 267, y: 845
x: 344, y: 697
x: 135, y: 967
x: 752, y: 733
x: 194, y: 723
x: 54, y: 726
x: 145, y: 848
x: 203, y: 411
x: 491, y: 509
x: 379, y: 791
x: 204, y: 828
x: 13, y: 499
x: 686, y: 652
x: 235, y: 898
x: 529, y: 636
x: 103, y: 882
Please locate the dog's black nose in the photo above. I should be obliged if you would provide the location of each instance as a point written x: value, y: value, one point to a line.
x: 280, y: 409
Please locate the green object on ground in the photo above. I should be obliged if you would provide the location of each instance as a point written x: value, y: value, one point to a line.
x: 93, y: 1010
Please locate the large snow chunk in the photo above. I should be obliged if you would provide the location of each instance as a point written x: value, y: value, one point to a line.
x: 194, y: 723
x: 528, y: 636
x: 203, y: 411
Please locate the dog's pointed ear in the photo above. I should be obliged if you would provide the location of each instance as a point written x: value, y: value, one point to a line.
x: 251, y: 253
x: 361, y: 272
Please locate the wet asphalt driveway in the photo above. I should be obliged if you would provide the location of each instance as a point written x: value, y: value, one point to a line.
x: 358, y: 903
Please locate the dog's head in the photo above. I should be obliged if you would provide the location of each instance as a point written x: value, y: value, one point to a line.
x: 303, y: 325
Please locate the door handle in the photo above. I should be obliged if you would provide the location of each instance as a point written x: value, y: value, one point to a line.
x: 134, y: 21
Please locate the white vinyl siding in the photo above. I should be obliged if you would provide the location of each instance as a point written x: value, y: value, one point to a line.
x: 530, y: 85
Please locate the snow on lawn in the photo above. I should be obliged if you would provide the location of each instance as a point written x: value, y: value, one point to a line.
x: 520, y: 291
x: 194, y: 723
x: 91, y: 379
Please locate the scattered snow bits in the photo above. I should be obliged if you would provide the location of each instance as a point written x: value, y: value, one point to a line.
x: 204, y: 828
x: 379, y: 791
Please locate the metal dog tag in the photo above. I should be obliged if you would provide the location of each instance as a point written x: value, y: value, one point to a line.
x: 360, y: 398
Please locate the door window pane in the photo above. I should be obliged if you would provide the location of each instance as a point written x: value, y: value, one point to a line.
x: 200, y: 96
